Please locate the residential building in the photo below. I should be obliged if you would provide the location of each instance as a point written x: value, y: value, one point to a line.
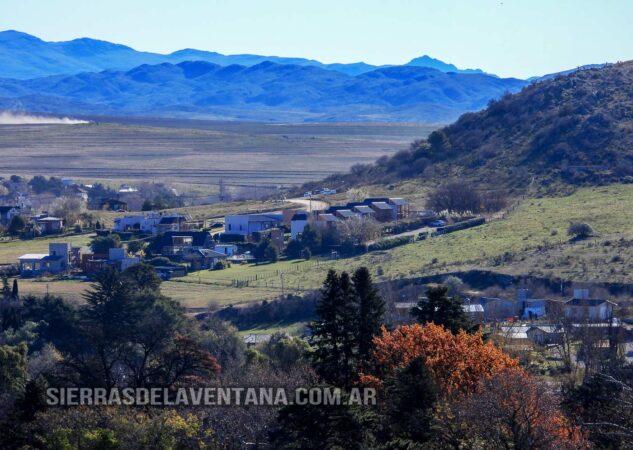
x: 74, y: 191
x: 226, y: 249
x: 383, y: 211
x: 118, y: 257
x: 49, y: 224
x: 545, y: 334
x: 499, y: 309
x: 151, y: 223
x: 203, y: 258
x: 7, y: 213
x: 364, y: 211
x: 247, y: 224
x: 57, y: 260
x: 345, y: 214
x: 475, y: 312
x: 113, y: 204
x: 298, y: 223
x: 589, y: 309
x: 178, y: 243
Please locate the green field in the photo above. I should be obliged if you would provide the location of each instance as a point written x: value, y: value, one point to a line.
x: 531, y: 240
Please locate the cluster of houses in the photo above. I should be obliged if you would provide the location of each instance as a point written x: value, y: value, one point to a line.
x: 62, y: 257
x: 526, y: 320
x: 37, y: 224
x: 380, y: 209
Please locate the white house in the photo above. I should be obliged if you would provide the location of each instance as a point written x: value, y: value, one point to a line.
x: 57, y: 260
x: 590, y: 309
x: 247, y: 224
x: 297, y: 224
x: 226, y: 249
x: 152, y: 222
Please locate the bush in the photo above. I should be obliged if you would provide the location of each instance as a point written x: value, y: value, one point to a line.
x: 580, y: 230
x: 294, y: 249
x: 390, y: 243
x: 306, y: 253
x: 226, y: 238
x: 221, y: 265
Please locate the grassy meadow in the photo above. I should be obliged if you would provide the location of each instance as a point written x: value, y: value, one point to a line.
x: 530, y: 240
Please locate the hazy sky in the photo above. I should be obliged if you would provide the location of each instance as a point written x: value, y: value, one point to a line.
x: 508, y: 37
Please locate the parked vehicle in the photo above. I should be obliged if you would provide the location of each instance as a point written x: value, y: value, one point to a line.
x: 437, y: 223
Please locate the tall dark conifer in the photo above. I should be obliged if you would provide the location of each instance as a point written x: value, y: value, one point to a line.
x: 371, y: 310
x: 347, y: 318
x: 325, y: 332
x: 441, y: 309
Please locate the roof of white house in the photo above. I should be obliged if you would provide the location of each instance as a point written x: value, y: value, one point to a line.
x: 34, y: 256
x: 473, y: 308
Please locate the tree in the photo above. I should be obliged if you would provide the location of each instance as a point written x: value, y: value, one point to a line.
x: 580, y: 231
x: 458, y: 362
x: 270, y: 253
x: 15, y: 294
x: 142, y: 277
x: 294, y: 249
x: 602, y: 404
x: 13, y: 373
x: 311, y: 239
x: 98, y: 225
x: 68, y: 208
x: 221, y: 339
x: 440, y: 309
x: 147, y: 205
x: 410, y: 396
x: 317, y: 427
x: 457, y: 197
x: 17, y: 225
x: 513, y: 410
x: 371, y: 309
x: 325, y: 329
x: 103, y: 244
x: 359, y: 230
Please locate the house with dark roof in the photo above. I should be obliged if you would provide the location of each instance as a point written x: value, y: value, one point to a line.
x: 49, y: 224
x: 203, y: 258
x: 383, y: 211
x: 113, y: 204
x: 363, y: 210
x: 178, y: 243
x: 346, y: 214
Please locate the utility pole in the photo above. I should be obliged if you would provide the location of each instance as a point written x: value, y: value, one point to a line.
x: 282, y: 283
x: 221, y: 189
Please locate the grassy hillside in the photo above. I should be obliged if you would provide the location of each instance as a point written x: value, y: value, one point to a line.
x: 569, y: 130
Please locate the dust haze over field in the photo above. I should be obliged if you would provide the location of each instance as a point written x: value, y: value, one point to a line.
x: 13, y: 118
x: 200, y: 152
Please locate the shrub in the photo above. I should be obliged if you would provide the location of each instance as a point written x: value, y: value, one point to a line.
x: 580, y: 230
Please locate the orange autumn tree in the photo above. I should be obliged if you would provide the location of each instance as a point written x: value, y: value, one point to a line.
x: 458, y: 362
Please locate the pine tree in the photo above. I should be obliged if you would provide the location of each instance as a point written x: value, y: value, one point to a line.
x: 325, y: 332
x: 441, y: 309
x: 371, y: 309
x: 15, y: 293
x: 347, y: 318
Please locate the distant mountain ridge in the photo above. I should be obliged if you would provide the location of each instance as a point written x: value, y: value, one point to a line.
x: 267, y: 91
x: 24, y: 56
